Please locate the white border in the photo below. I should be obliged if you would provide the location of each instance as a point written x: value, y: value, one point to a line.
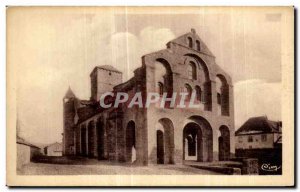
x: 3, y: 4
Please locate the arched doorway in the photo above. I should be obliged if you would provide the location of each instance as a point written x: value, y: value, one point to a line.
x: 160, y: 147
x: 130, y: 142
x: 165, y: 141
x: 197, y: 140
x: 91, y: 139
x: 192, y: 141
x: 224, y: 143
x: 100, y: 139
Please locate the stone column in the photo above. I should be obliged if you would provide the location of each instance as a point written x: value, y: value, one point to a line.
x: 120, y: 139
x: 216, y: 135
x: 87, y: 139
x: 111, y: 140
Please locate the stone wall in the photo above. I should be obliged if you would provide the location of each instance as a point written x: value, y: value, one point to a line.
x: 171, y: 121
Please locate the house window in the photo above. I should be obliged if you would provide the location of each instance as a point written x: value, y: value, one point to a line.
x: 160, y: 88
x: 250, y: 138
x: 192, y: 73
x: 190, y: 42
x: 240, y: 139
x: 264, y: 138
x: 198, y: 45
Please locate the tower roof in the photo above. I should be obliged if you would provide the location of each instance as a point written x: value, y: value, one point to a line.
x: 106, y: 67
x: 69, y: 93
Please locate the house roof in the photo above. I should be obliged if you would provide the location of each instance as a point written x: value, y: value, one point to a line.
x: 86, y: 112
x: 106, y: 67
x: 54, y: 144
x: 259, y: 125
x: 22, y: 141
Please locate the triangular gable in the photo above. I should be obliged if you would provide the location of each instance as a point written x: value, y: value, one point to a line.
x: 183, y: 41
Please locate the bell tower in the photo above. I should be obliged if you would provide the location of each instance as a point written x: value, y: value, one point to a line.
x: 103, y: 79
x: 69, y: 122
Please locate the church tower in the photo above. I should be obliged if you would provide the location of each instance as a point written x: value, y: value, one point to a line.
x: 69, y: 105
x: 103, y: 79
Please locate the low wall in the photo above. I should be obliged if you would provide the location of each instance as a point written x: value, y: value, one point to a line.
x: 269, y: 160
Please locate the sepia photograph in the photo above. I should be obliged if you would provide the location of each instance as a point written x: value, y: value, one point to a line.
x: 150, y: 96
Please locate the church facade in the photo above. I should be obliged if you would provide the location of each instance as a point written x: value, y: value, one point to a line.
x: 144, y: 135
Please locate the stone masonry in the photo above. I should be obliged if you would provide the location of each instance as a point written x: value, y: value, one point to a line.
x: 166, y: 135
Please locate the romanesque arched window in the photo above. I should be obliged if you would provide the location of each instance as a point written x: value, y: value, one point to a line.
x: 160, y: 86
x: 163, y: 74
x: 198, y: 45
x: 222, y: 89
x: 192, y: 72
x: 163, y: 77
x: 189, y: 90
x: 203, y: 79
x: 198, y: 93
x: 190, y: 42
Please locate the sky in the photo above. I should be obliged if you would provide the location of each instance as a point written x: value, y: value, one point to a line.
x: 57, y: 48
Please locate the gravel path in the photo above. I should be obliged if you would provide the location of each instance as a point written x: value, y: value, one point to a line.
x: 105, y: 168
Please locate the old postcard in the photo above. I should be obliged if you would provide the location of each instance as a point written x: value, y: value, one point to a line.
x: 150, y: 96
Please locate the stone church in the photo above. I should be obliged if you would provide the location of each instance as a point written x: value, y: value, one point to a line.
x: 156, y: 135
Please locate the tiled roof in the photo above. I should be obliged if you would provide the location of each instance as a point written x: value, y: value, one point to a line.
x: 24, y: 142
x: 259, y: 125
x: 86, y: 112
x: 54, y: 144
x: 107, y: 67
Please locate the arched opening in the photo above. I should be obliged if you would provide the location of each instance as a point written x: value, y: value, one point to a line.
x: 91, y: 139
x: 224, y: 143
x: 199, y: 97
x: 130, y: 142
x: 192, y: 142
x: 222, y: 89
x: 198, y: 93
x: 160, y: 88
x: 165, y: 141
x: 189, y: 91
x: 160, y: 147
x: 198, y: 45
x: 83, y: 141
x: 203, y: 78
x: 100, y: 139
x: 163, y: 78
x: 190, y: 42
x: 197, y: 140
x: 192, y: 71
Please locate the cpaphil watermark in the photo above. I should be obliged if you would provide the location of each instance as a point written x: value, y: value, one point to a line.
x: 169, y: 100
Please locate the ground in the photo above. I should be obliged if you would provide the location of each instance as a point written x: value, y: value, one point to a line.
x: 94, y: 167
